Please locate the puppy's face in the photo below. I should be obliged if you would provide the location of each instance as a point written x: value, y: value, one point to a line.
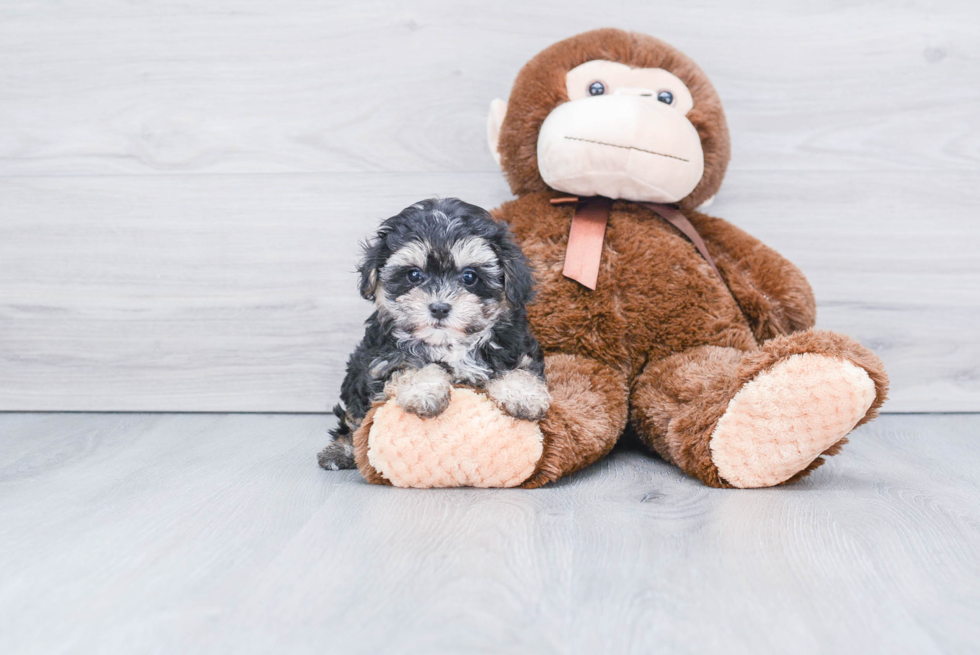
x: 445, y: 272
x: 442, y: 290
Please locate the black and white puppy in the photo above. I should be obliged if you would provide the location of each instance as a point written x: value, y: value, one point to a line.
x: 450, y: 287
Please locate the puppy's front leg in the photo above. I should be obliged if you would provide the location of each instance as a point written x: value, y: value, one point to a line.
x: 423, y: 391
x: 521, y: 394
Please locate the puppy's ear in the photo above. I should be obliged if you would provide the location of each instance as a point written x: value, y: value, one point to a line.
x: 372, y: 261
x: 518, y: 275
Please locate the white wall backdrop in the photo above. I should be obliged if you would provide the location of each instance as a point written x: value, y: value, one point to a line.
x: 183, y: 185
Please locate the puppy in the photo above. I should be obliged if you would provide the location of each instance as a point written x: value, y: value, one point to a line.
x: 450, y: 287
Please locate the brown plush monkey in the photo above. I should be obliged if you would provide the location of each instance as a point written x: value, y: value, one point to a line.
x: 678, y: 324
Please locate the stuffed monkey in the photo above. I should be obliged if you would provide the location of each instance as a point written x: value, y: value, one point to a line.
x: 651, y: 314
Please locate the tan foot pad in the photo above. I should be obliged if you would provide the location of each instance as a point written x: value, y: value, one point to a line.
x: 471, y: 444
x: 783, y: 419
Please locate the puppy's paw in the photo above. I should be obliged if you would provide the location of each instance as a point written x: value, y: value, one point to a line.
x: 337, y: 456
x: 424, y: 391
x: 521, y: 394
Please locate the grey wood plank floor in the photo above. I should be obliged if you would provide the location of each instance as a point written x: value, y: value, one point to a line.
x: 179, y: 533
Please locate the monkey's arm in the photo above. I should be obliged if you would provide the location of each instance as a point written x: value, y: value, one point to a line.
x: 773, y: 293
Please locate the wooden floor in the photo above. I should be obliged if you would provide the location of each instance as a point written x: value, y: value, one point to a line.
x: 178, y: 533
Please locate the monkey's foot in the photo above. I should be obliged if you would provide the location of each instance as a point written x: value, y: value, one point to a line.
x: 784, y: 418
x: 470, y: 444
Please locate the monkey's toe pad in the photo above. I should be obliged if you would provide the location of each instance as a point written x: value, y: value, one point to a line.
x: 471, y: 444
x: 784, y: 418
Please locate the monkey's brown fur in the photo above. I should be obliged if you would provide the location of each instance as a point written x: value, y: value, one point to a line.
x: 661, y: 343
x: 540, y: 87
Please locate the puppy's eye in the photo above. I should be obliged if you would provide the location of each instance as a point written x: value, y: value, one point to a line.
x: 469, y: 277
x: 597, y: 88
x: 415, y: 276
x: 665, y: 97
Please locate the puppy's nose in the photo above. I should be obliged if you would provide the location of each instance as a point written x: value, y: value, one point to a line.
x: 440, y: 309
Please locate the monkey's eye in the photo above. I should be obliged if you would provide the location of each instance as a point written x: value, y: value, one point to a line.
x: 665, y: 97
x: 469, y: 277
x: 415, y: 276
x: 597, y: 88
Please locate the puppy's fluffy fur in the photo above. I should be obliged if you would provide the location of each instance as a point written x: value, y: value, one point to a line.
x: 450, y: 287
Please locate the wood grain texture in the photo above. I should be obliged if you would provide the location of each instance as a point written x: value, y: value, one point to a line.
x: 213, y: 533
x: 237, y: 293
x: 313, y: 86
x: 182, y: 186
x: 198, y: 293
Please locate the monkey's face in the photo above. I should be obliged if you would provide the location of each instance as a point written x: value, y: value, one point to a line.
x: 612, y: 113
x: 624, y: 133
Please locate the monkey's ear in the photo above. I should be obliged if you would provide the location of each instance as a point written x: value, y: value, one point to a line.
x: 370, y: 267
x: 498, y: 109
